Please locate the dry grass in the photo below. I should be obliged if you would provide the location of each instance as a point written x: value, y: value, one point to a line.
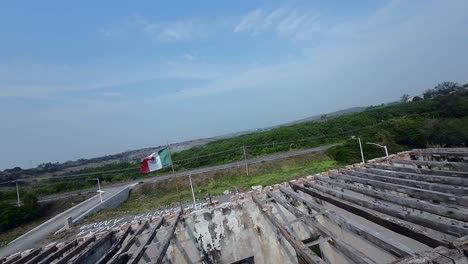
x: 151, y: 196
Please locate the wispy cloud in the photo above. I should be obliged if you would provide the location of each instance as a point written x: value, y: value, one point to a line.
x: 189, y: 56
x: 166, y: 31
x: 49, y: 81
x: 283, y: 21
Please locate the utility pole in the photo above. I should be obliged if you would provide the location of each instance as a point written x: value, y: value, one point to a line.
x: 362, y: 153
x: 17, y: 194
x: 245, y: 160
x: 360, y: 147
x: 99, y: 189
x: 174, y: 176
x: 193, y: 193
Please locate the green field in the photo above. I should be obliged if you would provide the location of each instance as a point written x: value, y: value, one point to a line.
x: 151, y: 196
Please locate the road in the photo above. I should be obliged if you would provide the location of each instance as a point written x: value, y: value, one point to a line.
x: 39, y: 233
x: 273, y: 157
x: 35, y: 236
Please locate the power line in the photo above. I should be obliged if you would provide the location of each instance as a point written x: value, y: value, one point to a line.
x: 208, y: 155
x: 176, y: 161
x: 8, y: 182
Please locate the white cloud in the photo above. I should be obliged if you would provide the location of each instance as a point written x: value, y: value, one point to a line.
x: 49, y: 81
x: 250, y: 21
x: 189, y: 56
x: 282, y: 21
x: 167, y: 31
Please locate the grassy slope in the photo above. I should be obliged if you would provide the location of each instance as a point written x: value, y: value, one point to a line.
x: 152, y: 196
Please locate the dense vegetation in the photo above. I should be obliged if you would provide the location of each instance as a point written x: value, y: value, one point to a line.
x: 440, y: 118
x: 12, y: 215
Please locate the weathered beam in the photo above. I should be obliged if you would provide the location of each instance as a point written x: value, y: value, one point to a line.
x: 350, y: 252
x: 13, y: 259
x: 444, y: 225
x: 111, y: 252
x: 455, y: 166
x: 142, y: 248
x: 457, y: 190
x: 457, y: 181
x: 76, y: 250
x: 87, y: 254
x: 369, y: 234
x: 411, y: 191
x: 458, y: 152
x: 418, y: 170
x: 455, y: 213
x: 443, y: 150
x: 301, y: 249
x: 167, y: 240
x: 59, y: 252
x: 28, y: 257
x: 403, y: 228
x: 318, y: 241
x: 126, y: 246
x: 42, y: 255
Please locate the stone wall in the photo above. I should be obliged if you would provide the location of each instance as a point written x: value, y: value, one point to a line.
x: 112, y: 202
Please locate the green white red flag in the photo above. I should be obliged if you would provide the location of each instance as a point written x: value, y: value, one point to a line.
x: 156, y: 161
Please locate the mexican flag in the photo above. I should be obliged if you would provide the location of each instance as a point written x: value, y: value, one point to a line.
x: 156, y: 161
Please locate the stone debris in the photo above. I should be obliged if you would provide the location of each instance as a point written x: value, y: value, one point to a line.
x: 257, y: 187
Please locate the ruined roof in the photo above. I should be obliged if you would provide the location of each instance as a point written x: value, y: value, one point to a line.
x: 411, y: 207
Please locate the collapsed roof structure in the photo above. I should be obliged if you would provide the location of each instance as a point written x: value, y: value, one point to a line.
x: 411, y: 207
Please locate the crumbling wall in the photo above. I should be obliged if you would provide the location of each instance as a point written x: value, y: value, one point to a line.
x: 227, y: 234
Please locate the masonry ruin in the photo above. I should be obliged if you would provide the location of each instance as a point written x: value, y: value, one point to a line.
x: 411, y: 207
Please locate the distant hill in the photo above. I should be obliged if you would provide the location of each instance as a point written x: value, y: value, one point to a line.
x: 138, y: 154
x: 326, y: 116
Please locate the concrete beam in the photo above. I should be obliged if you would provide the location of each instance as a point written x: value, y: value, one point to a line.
x: 443, y: 150
x: 456, y: 181
x: 419, y: 170
x: 457, y: 190
x: 102, y: 245
x: 448, y: 226
x: 401, y: 227
x: 111, y: 252
x: 28, y: 257
x: 115, y: 259
x: 301, y: 249
x: 75, y: 250
x: 455, y: 166
x: 318, y: 241
x: 411, y: 191
x: 59, y: 252
x: 42, y: 255
x: 369, y: 234
x: 350, y: 252
x: 455, y: 213
x: 136, y: 256
x: 167, y: 240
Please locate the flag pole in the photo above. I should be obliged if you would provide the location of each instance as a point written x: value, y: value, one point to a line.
x: 193, y: 193
x: 174, y: 175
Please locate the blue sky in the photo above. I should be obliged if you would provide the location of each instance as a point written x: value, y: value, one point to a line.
x: 89, y: 78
